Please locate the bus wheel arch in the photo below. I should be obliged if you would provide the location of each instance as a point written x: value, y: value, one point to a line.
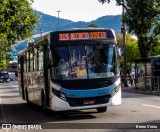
x: 26, y: 97
x: 43, y: 100
x: 26, y: 94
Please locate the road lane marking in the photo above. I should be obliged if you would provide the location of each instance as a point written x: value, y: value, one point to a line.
x: 151, y: 106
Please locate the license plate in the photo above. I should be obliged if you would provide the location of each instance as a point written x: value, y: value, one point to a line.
x: 89, y: 102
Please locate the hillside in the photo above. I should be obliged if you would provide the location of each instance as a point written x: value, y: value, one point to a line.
x: 50, y: 23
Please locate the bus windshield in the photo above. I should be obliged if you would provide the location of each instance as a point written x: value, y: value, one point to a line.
x: 84, y: 62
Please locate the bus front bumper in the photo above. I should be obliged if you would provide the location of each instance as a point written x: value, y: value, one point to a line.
x: 58, y: 104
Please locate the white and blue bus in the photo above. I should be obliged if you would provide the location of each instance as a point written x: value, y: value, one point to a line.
x: 71, y: 70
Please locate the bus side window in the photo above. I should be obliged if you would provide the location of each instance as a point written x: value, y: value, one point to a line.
x: 28, y: 61
x: 35, y: 59
x: 19, y: 64
x: 40, y: 58
x: 31, y: 60
x: 25, y: 62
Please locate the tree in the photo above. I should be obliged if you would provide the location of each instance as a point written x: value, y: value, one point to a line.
x: 156, y: 50
x: 132, y: 51
x: 142, y: 19
x: 92, y: 26
x: 5, y: 59
x: 17, y: 21
x: 119, y: 2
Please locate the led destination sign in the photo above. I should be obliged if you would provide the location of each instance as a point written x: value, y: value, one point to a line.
x: 81, y: 35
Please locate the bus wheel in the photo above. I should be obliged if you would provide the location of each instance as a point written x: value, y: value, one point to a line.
x: 45, y: 110
x: 28, y: 103
x: 101, y: 109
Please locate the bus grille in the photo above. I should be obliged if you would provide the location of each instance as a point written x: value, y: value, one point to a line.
x: 80, y: 101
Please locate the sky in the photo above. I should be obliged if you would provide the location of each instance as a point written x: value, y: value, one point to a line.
x: 77, y: 10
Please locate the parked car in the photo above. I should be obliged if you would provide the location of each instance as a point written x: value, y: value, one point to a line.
x: 13, y: 79
x: 4, y: 77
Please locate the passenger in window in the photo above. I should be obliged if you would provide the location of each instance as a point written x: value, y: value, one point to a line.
x: 95, y: 61
x: 82, y: 70
x: 62, y: 64
x: 74, y: 62
x: 81, y: 64
x: 73, y: 73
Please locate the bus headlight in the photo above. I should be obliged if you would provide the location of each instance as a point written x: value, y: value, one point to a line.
x: 59, y: 94
x: 115, y: 90
x: 62, y: 96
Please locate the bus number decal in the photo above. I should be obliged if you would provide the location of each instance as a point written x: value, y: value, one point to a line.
x: 64, y: 36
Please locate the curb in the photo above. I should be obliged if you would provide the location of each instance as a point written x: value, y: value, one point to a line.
x: 141, y: 91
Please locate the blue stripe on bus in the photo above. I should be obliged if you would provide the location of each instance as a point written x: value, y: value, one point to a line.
x: 88, y: 92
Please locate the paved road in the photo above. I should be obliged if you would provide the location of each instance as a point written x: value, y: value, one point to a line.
x: 135, y: 108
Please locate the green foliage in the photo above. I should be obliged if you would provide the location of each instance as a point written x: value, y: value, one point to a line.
x: 119, y: 2
x: 103, y: 1
x: 132, y: 51
x: 156, y: 50
x: 142, y: 19
x: 9, y: 57
x: 92, y: 26
x: 17, y: 22
x: 4, y: 60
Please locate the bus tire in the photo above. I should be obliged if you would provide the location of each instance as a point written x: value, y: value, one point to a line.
x: 45, y: 110
x: 28, y: 102
x: 101, y: 109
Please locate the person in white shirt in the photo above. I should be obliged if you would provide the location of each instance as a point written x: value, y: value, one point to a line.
x: 132, y: 77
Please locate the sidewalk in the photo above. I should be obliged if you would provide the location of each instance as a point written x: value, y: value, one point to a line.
x: 139, y: 90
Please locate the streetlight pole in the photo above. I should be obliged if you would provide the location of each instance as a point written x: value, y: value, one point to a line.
x: 58, y: 20
x: 124, y: 49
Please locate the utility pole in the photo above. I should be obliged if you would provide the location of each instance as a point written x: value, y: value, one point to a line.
x: 123, y: 30
x: 58, y: 20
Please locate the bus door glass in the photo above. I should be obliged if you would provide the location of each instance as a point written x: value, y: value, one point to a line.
x: 59, y: 63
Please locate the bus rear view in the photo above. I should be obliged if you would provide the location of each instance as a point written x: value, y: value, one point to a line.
x: 82, y: 70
